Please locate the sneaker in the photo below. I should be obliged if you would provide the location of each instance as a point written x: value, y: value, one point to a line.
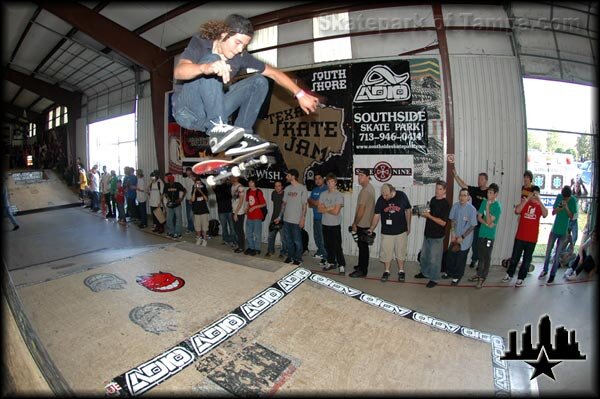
x: 356, y: 267
x: 281, y: 256
x: 198, y: 241
x: 445, y: 276
x: 568, y: 272
x: 323, y: 262
x: 288, y: 260
x: 249, y: 143
x: 204, y: 243
x: 356, y: 274
x: 420, y: 275
x: 550, y: 280
x: 519, y: 283
x: 329, y: 266
x: 454, y: 282
x: 506, y: 278
x: 474, y: 278
x: 479, y: 283
x: 177, y: 236
x: 253, y: 252
x: 472, y: 265
x: 341, y: 270
x: 238, y: 250
x: 223, y: 136
x: 297, y: 262
x: 268, y: 255
x: 401, y: 276
x: 16, y: 228
x: 317, y: 256
x: 542, y: 275
x: 385, y: 276
x: 247, y: 251
x: 431, y: 284
x: 572, y: 277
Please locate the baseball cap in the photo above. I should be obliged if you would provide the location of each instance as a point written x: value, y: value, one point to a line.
x: 239, y: 24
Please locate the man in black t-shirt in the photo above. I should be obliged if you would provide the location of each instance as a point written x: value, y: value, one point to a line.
x: 214, y: 56
x: 435, y: 230
x: 394, y: 210
x: 174, y: 193
x: 478, y: 194
x: 223, y: 194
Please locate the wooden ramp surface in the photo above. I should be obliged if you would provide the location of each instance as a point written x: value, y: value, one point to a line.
x: 43, y: 193
x: 100, y: 324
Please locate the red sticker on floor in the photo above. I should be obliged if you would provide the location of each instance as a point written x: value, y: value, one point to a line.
x: 160, y: 282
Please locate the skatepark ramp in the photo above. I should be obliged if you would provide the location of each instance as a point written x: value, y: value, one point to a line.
x: 38, y: 190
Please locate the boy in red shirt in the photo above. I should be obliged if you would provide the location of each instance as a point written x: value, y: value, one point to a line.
x: 530, y: 209
x: 255, y: 202
x: 120, y: 199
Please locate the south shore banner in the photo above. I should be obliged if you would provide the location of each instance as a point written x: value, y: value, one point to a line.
x: 384, y: 115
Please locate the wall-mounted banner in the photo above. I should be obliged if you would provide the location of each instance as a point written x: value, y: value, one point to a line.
x: 397, y: 170
x: 371, y: 108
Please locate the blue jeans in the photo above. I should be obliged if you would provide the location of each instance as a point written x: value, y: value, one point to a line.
x: 293, y: 237
x: 190, y: 216
x: 174, y: 213
x: 574, y: 230
x: 431, y: 257
x: 318, y: 236
x: 271, y: 241
x: 551, y: 239
x: 10, y: 216
x: 254, y: 233
x: 227, y: 230
x: 203, y: 101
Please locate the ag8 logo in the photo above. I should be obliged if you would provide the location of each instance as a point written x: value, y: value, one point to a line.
x: 216, y: 333
x: 261, y: 302
x: 380, y: 83
x: 293, y: 279
x: 157, y: 370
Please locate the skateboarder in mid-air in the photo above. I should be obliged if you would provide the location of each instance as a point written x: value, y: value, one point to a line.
x: 211, y: 59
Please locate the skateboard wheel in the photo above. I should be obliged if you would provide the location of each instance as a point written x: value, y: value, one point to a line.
x: 236, y: 171
x: 263, y: 159
x: 210, y: 180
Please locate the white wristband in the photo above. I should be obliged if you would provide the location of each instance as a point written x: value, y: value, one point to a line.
x: 300, y: 94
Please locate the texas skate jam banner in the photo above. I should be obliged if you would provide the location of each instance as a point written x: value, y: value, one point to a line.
x: 387, y: 110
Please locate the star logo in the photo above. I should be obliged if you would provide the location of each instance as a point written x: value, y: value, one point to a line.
x: 542, y: 365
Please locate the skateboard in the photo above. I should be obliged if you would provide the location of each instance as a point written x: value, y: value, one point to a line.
x: 222, y: 169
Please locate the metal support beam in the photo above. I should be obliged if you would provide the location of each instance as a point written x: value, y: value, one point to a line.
x: 440, y: 28
x: 15, y: 110
x: 44, y: 89
x: 131, y: 46
x: 160, y: 83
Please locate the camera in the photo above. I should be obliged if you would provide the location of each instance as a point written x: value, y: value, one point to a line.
x: 420, y: 209
x: 354, y: 234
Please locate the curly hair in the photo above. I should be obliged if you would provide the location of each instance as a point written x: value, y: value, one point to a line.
x: 212, y: 30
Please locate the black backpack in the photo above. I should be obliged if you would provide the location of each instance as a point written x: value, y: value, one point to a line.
x: 213, y: 227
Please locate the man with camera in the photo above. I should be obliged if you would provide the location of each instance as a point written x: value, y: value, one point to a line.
x: 365, y: 209
x: 394, y: 210
x: 565, y: 206
x: 530, y: 209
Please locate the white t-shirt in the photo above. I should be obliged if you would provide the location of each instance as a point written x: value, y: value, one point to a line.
x: 141, y: 190
x: 156, y: 192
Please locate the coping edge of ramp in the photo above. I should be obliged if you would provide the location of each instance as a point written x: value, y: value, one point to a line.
x: 157, y: 370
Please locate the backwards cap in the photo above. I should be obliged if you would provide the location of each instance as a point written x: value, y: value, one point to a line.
x: 239, y: 24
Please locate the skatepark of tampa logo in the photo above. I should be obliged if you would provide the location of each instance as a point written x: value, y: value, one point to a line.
x: 545, y: 355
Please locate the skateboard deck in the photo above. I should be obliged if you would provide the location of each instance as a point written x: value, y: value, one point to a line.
x: 221, y: 169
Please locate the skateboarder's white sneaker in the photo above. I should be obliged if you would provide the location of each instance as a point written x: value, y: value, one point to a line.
x: 223, y: 136
x: 249, y: 143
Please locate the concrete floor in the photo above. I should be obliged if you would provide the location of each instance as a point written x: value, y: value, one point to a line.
x: 53, y: 246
